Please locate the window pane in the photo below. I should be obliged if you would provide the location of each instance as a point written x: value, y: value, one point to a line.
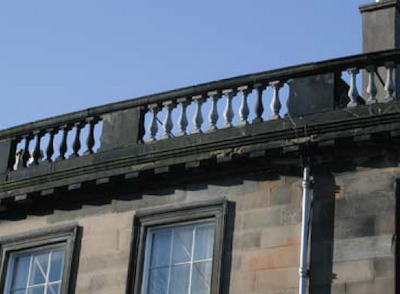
x: 204, y: 243
x: 179, y: 283
x: 53, y: 289
x: 158, y: 281
x: 160, y: 255
x: 18, y: 292
x: 183, y: 239
x: 39, y: 269
x: 36, y: 290
x: 201, y: 278
x: 57, y: 261
x: 20, y: 273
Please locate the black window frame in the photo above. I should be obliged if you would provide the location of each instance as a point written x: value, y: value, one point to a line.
x: 396, y: 236
x: 43, y: 238
x: 177, y: 214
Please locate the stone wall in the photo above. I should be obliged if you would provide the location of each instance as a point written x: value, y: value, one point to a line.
x: 353, y: 227
x: 351, y: 243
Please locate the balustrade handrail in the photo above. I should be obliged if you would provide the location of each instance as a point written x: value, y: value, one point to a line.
x: 304, y: 70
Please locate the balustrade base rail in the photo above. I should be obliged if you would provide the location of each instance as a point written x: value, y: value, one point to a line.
x: 272, y: 139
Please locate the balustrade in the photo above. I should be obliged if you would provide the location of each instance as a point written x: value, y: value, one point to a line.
x: 209, y: 101
x: 239, y: 113
x: 227, y: 104
x: 25, y: 157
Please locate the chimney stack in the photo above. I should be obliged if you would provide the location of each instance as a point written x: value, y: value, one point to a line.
x: 381, y: 25
x: 381, y: 31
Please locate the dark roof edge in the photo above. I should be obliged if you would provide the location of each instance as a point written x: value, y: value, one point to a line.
x: 379, y: 5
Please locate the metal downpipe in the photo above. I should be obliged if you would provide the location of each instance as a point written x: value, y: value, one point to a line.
x: 303, y: 271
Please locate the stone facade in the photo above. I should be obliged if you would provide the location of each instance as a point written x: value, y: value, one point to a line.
x: 351, y: 251
x: 255, y: 167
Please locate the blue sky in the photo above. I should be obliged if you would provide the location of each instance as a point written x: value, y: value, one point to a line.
x: 61, y: 56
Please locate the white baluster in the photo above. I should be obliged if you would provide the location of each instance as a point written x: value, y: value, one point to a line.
x: 25, y: 154
x: 389, y: 86
x: 198, y: 116
x: 275, y: 102
x: 372, y: 91
x: 153, y: 126
x: 228, y: 113
x: 259, y: 107
x: 213, y: 116
x: 353, y: 92
x: 182, y: 121
x: 244, y: 106
x: 167, y: 124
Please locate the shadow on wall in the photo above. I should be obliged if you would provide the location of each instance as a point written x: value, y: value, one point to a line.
x: 322, y: 233
x: 228, y: 244
x: 123, y: 195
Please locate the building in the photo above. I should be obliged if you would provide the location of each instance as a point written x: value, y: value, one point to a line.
x: 184, y: 197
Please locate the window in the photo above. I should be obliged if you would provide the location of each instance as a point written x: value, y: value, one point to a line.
x: 36, y: 272
x: 39, y: 263
x: 179, y: 259
x: 178, y: 251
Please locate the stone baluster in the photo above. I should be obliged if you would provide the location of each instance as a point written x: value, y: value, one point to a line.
x: 244, y: 106
x: 18, y: 160
x: 259, y: 107
x: 90, y: 138
x: 213, y: 115
x: 182, y: 120
x: 228, y: 112
x: 372, y: 90
x: 64, y: 144
x: 275, y: 102
x: 14, y: 159
x: 25, y: 155
x: 167, y: 124
x: 153, y: 126
x: 198, y: 115
x: 389, y: 85
x: 353, y: 92
x: 37, y: 152
x: 76, y: 145
x: 50, y: 146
